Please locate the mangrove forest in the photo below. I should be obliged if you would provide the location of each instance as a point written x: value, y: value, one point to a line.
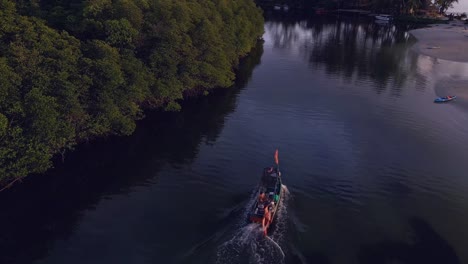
x: 71, y: 71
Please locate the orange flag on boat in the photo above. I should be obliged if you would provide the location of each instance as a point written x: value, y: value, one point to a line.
x: 276, y: 157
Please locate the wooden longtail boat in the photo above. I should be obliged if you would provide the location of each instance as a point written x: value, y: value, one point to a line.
x: 268, y: 197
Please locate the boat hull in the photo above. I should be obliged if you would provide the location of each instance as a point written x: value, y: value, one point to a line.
x: 383, y: 18
x: 444, y: 99
x: 271, y: 185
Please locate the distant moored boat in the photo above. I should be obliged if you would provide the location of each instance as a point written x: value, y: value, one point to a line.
x: 445, y: 99
x: 383, y: 17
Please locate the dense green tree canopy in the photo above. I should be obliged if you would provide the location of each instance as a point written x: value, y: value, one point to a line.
x: 78, y: 69
x: 401, y: 7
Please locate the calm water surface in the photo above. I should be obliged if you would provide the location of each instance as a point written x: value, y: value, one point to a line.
x: 375, y: 172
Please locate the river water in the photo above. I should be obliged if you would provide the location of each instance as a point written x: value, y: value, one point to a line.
x: 374, y: 171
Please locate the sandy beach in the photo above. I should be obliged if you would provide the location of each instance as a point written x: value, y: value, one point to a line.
x: 443, y: 41
x: 447, y: 42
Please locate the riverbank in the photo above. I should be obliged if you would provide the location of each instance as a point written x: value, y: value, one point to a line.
x: 96, y: 83
x: 448, y: 42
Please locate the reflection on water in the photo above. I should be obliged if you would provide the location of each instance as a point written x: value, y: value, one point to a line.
x: 354, y: 51
x: 376, y: 171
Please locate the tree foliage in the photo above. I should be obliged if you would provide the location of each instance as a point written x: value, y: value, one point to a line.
x: 386, y: 6
x: 445, y: 4
x: 78, y: 69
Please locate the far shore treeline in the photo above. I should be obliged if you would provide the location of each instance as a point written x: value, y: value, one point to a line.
x: 394, y: 7
x: 74, y: 70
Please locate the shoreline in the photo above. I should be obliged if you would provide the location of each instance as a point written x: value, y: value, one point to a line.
x: 446, y: 42
x: 443, y: 41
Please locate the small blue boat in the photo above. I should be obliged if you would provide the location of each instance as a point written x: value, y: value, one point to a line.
x: 445, y: 99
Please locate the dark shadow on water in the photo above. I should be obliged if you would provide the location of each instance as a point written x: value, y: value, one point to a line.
x: 46, y: 208
x: 428, y: 248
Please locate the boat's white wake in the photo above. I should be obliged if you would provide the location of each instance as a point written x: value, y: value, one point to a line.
x: 248, y: 245
x: 277, y: 246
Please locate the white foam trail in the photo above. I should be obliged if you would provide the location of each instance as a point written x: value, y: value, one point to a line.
x: 282, y: 216
x: 285, y: 190
x: 278, y: 246
x: 248, y: 244
x: 242, y: 247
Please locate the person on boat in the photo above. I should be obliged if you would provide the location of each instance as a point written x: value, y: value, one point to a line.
x: 266, y: 220
x: 270, y: 170
x: 262, y: 197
